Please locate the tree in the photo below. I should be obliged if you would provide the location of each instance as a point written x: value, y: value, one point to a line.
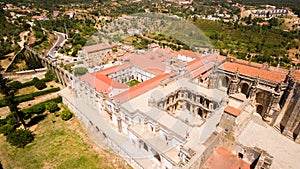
x: 50, y: 75
x: 20, y: 137
x: 3, y: 85
x: 10, y: 99
x: 52, y: 107
x: 66, y: 115
x: 79, y: 71
x: 40, y: 85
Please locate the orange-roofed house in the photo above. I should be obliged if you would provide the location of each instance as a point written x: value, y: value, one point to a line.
x: 224, y: 159
x: 187, y: 55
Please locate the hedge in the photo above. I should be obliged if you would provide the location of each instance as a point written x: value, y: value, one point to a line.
x: 27, y: 97
x: 19, y: 85
x: 40, y: 107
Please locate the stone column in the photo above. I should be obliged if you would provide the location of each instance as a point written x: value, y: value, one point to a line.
x: 233, y: 88
x: 273, y: 109
x: 292, y: 118
x: 157, y: 127
x: 119, y: 123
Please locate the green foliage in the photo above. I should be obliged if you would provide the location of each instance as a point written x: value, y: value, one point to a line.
x: 15, y: 85
x: 40, y: 85
x: 66, y: 115
x: 79, y: 71
x: 20, y: 137
x: 27, y: 97
x: 52, y: 106
x: 50, y: 75
x: 30, y: 83
x: 9, y: 124
x: 39, y: 108
x: 268, y: 43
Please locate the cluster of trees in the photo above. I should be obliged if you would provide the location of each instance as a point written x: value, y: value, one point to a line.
x: 273, y: 22
x: 263, y: 41
x: 9, y: 33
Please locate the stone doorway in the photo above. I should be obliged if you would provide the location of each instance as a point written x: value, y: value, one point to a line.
x: 260, y: 110
x: 245, y: 88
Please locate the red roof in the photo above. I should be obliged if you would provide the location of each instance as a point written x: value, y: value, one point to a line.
x: 188, y: 53
x: 37, y: 17
x: 254, y: 71
x: 205, y: 60
x: 101, y: 82
x: 141, y: 88
x: 233, y: 111
x: 224, y: 159
x: 297, y: 75
x: 202, y: 70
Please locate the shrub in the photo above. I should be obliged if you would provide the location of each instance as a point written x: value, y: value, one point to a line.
x: 6, y: 129
x: 66, y: 115
x: 39, y: 108
x: 30, y: 83
x: 20, y: 137
x: 52, y: 106
x: 40, y: 85
x: 49, y: 76
x: 15, y: 85
x: 24, y: 98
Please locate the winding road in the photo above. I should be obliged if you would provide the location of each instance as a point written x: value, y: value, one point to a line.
x: 61, y: 39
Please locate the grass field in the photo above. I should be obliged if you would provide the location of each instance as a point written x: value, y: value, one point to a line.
x: 132, y: 83
x: 61, y: 144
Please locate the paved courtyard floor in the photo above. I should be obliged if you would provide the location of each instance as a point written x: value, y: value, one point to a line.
x: 286, y: 153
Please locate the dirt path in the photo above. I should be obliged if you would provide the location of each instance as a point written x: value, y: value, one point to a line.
x: 37, y: 100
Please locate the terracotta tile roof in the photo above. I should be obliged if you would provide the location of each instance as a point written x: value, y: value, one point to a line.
x: 151, y: 59
x: 202, y: 70
x: 101, y: 82
x: 155, y: 71
x: 141, y: 88
x: 205, y: 60
x: 188, y: 53
x: 97, y: 47
x: 37, y: 17
x: 125, y: 55
x: 297, y: 75
x: 224, y: 159
x: 259, y: 65
x: 194, y: 64
x: 233, y: 111
x: 254, y: 71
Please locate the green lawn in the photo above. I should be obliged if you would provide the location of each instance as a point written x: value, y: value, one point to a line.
x: 132, y: 83
x: 61, y: 144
